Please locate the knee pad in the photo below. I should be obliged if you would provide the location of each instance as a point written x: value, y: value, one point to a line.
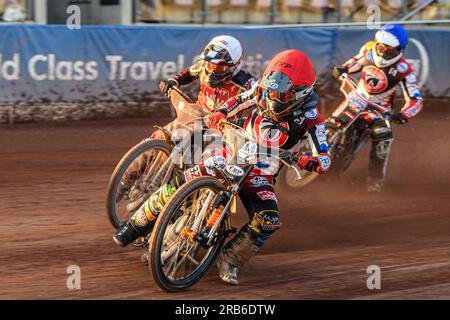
x: 379, y: 131
x: 265, y: 223
x: 344, y: 119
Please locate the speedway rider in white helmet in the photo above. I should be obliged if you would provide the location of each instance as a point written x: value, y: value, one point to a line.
x: 221, y: 78
x: 219, y: 72
x: 382, y: 69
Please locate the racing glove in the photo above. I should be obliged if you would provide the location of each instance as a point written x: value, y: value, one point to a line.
x: 216, y: 117
x: 165, y: 86
x: 399, y: 118
x: 338, y: 71
x: 320, y: 164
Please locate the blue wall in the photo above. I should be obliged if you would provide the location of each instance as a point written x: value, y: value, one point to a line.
x: 116, y: 63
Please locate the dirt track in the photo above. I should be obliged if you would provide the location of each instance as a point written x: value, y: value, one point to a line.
x: 52, y: 189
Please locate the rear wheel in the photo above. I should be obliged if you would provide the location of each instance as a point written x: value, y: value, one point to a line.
x: 140, y: 172
x: 176, y: 259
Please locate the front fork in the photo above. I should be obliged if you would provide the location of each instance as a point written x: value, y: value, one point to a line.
x: 337, y: 129
x: 223, y: 206
x: 335, y: 137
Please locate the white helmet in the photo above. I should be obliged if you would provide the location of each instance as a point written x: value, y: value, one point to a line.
x: 222, y: 59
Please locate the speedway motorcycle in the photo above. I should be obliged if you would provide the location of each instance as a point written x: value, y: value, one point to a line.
x: 345, y: 144
x: 152, y: 162
x: 192, y: 227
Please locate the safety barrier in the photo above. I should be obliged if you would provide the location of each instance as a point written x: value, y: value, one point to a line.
x: 99, y: 64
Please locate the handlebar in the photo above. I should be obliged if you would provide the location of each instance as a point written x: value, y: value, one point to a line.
x: 181, y: 93
x: 345, y: 76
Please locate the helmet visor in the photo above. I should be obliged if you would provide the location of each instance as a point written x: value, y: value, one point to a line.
x: 385, y: 51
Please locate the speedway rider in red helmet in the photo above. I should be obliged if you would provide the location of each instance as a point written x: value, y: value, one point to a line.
x: 286, y: 112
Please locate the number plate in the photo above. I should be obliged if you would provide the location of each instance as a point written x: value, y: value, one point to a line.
x: 248, y: 151
x: 356, y: 102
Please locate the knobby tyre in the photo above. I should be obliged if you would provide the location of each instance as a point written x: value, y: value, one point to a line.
x: 167, y: 224
x: 149, y: 147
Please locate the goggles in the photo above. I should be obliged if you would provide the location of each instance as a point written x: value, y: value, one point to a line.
x: 386, y: 51
x: 215, y: 68
x: 282, y: 97
x: 288, y: 96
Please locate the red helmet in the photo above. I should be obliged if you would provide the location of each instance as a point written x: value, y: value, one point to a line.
x: 287, y: 82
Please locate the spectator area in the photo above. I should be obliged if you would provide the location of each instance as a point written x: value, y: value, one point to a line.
x: 282, y: 11
x: 13, y: 10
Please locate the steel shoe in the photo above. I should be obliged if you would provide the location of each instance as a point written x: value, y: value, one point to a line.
x: 374, y: 185
x: 227, y: 272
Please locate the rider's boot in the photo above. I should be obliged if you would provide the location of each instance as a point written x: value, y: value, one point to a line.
x: 143, y: 220
x: 374, y: 184
x: 129, y: 232
x: 235, y: 254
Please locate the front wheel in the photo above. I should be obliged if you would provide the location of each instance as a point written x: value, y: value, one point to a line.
x: 289, y: 180
x: 140, y: 172
x: 176, y: 258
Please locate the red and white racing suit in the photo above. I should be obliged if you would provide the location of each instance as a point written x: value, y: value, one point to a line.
x: 257, y: 192
x: 377, y: 86
x: 210, y: 99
